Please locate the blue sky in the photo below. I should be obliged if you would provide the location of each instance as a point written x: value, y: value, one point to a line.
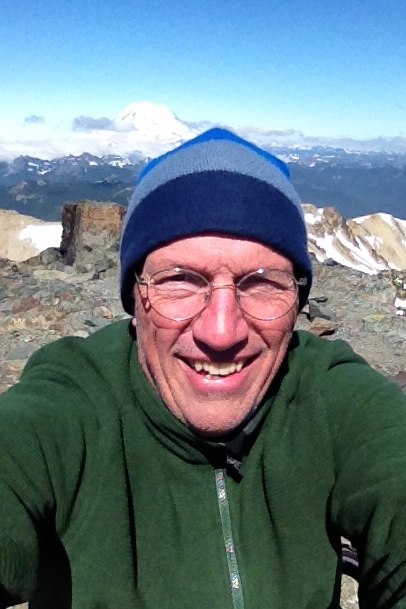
x: 326, y: 68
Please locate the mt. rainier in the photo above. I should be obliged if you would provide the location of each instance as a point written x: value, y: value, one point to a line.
x: 150, y: 129
x: 153, y: 122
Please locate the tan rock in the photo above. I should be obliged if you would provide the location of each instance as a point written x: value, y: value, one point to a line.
x: 370, y: 243
x: 13, y: 227
x: 50, y: 275
x: 103, y: 311
x: 322, y: 327
x: 89, y: 225
x: 385, y: 236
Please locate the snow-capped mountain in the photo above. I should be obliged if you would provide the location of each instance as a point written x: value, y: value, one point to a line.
x: 150, y: 129
x: 154, y: 123
x: 68, y: 168
x: 105, y: 156
x: 369, y: 244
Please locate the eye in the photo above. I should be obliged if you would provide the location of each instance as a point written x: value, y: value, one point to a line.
x: 265, y: 281
x: 179, y: 279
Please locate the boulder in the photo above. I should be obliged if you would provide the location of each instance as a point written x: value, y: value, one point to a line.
x: 91, y: 235
x: 319, y: 310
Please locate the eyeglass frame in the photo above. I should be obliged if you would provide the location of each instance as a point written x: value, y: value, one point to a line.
x: 139, y: 280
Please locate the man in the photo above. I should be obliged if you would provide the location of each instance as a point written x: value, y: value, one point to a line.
x: 204, y: 455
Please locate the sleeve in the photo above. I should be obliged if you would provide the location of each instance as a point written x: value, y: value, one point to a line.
x: 41, y: 459
x: 368, y: 501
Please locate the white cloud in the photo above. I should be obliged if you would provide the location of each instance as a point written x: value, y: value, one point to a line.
x: 152, y: 130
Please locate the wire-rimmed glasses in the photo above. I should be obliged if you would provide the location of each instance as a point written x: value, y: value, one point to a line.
x: 181, y: 294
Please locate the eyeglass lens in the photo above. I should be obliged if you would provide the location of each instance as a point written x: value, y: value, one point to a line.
x: 181, y: 294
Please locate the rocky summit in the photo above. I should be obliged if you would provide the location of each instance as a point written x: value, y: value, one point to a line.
x: 73, y: 290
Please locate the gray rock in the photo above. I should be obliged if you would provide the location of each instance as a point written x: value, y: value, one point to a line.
x: 22, y: 352
x: 318, y: 298
x: 96, y: 322
x: 318, y: 310
x: 49, y: 275
x: 45, y: 258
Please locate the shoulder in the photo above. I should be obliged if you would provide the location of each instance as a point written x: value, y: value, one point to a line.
x: 330, y: 376
x: 104, y: 345
x: 314, y: 349
x: 314, y: 359
x: 77, y: 375
x: 103, y: 353
x: 332, y: 373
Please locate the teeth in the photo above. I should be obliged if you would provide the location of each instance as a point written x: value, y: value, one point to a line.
x: 217, y: 369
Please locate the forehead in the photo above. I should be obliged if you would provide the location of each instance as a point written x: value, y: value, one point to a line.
x: 212, y: 253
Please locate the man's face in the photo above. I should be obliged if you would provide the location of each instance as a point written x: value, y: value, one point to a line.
x: 211, y: 404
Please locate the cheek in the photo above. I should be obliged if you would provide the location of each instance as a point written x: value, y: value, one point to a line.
x: 156, y: 337
x: 278, y: 332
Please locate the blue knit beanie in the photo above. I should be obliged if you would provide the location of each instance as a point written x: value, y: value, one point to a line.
x: 214, y: 183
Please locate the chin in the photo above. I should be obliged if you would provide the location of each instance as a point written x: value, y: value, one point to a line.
x: 216, y: 427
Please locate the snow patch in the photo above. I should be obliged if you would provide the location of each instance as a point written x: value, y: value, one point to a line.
x: 374, y: 241
x: 42, y: 236
x: 311, y: 219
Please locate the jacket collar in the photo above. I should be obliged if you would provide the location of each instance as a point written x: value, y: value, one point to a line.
x: 227, y: 452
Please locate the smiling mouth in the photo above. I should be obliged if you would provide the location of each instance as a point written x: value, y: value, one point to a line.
x: 211, y: 369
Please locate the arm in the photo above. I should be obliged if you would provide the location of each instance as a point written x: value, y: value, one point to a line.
x: 41, y: 458
x: 368, y: 502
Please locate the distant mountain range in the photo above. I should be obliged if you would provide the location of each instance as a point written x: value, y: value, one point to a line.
x: 348, y: 175
x: 40, y: 188
x: 354, y: 183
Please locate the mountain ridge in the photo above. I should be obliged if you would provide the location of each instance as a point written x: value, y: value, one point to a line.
x: 370, y: 244
x: 355, y: 184
x: 108, y: 155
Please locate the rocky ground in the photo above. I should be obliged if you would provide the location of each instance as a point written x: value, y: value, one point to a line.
x: 40, y: 302
x: 44, y: 300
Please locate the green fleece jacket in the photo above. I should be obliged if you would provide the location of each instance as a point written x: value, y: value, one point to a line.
x: 108, y: 502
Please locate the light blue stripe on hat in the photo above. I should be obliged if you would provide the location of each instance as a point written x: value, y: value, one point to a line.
x: 202, y: 154
x: 216, y: 134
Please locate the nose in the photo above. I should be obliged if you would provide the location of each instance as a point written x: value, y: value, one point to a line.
x: 221, y: 325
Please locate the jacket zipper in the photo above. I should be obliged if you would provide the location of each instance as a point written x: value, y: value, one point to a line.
x: 224, y: 508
